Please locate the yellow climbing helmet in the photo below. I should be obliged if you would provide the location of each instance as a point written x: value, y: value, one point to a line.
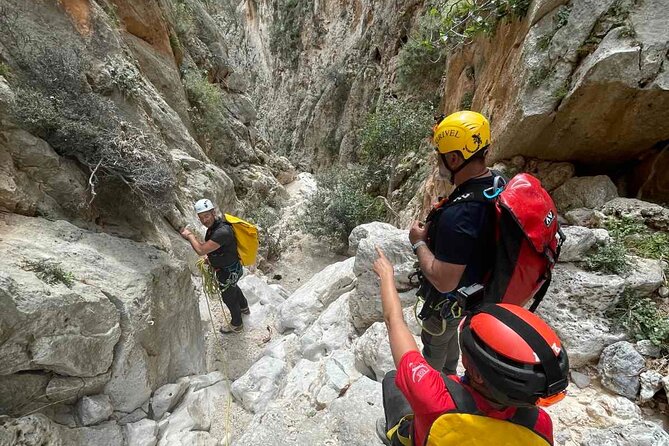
x: 466, y: 132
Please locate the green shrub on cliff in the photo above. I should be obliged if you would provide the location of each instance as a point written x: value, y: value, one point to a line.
x: 285, y: 32
x: 55, y: 101
x: 443, y: 27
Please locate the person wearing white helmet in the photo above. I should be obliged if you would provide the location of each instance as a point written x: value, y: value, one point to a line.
x: 220, y: 247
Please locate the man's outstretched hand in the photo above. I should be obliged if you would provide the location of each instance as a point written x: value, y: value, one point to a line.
x: 185, y: 233
x: 382, y: 266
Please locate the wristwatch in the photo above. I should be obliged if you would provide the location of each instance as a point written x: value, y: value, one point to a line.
x: 416, y: 245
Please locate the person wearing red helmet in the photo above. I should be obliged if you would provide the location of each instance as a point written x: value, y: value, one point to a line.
x: 514, y: 363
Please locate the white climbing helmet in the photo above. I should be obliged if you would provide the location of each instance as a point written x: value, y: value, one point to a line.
x: 203, y: 205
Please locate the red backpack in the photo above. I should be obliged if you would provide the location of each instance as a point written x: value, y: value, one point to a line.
x: 528, y: 241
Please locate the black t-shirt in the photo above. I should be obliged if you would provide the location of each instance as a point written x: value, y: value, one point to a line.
x: 221, y: 233
x: 464, y: 234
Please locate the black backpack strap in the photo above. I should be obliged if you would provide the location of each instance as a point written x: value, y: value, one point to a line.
x: 467, y: 194
x: 526, y: 417
x: 539, y: 296
x: 464, y: 401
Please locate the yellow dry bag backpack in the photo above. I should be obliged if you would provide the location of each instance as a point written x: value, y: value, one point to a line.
x: 247, y: 239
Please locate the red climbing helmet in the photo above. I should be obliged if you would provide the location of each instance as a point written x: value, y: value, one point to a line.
x: 519, y: 357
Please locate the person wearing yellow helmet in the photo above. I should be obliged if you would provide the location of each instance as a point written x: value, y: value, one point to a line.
x: 461, y: 141
x: 455, y: 245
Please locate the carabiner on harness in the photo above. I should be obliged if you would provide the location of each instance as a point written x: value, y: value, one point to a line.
x: 497, y: 187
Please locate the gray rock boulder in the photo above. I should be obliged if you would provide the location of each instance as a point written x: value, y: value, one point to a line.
x: 574, y: 287
x: 651, y: 383
x: 333, y: 330
x: 127, y: 312
x: 286, y: 349
x: 645, y: 277
x: 374, y: 229
x: 579, y: 242
x: 584, y: 192
x: 653, y: 215
x: 141, y: 433
x: 302, y: 379
x: 620, y: 366
x: 191, y: 420
x: 364, y: 400
x: 257, y: 290
x: 259, y: 384
x: 641, y: 433
x: 166, y: 397
x: 365, y: 302
x: 574, y: 307
x: 94, y: 409
x: 580, y: 379
x: 372, y: 352
x: 647, y: 348
x: 306, y: 303
x: 588, y: 218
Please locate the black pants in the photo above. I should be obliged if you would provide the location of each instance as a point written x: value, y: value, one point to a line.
x: 230, y: 293
x: 395, y: 405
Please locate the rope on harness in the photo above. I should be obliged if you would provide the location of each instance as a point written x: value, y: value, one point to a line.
x: 211, y: 291
x: 420, y: 323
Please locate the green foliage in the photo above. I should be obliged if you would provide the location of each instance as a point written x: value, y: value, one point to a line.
x: 641, y: 317
x: 466, y: 101
x: 55, y: 102
x: 561, y: 92
x: 206, y: 101
x: 182, y: 18
x: 285, y: 32
x: 639, y: 239
x: 562, y: 17
x: 445, y: 26
x: 539, y: 74
x: 630, y: 237
x: 111, y: 10
x: 4, y: 69
x: 609, y: 259
x: 544, y: 42
x: 340, y: 204
x: 50, y: 272
x: 628, y: 32
x: 394, y: 129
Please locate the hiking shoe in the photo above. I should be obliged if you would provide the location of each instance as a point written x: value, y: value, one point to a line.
x: 381, y: 430
x: 246, y: 310
x: 226, y: 329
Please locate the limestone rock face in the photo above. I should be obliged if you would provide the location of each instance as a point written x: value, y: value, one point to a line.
x: 125, y: 313
x: 332, y: 330
x: 559, y: 61
x: 575, y: 305
x: 584, y: 192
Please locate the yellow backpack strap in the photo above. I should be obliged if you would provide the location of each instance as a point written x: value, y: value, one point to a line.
x: 400, y: 434
x: 464, y: 401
